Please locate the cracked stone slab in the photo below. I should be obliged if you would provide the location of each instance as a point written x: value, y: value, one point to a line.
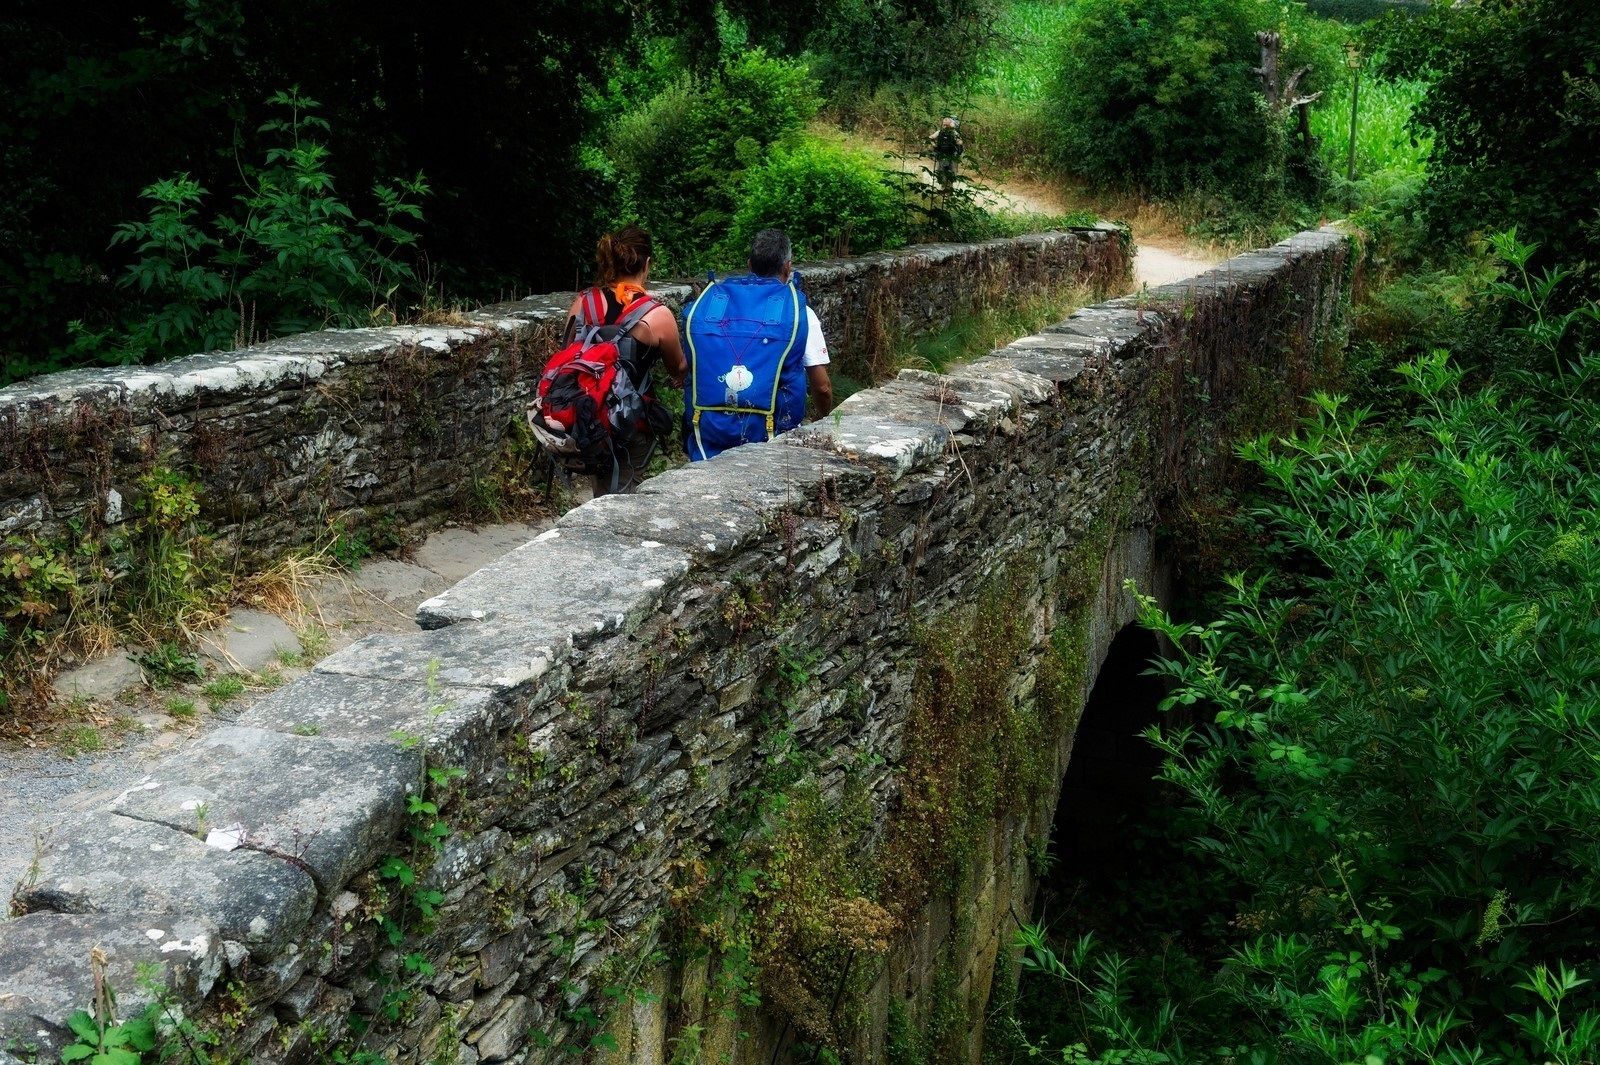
x: 1049, y: 343
x: 506, y: 656
x: 1030, y: 388
x: 1040, y: 365
x: 893, y: 446
x: 934, y: 402
x: 710, y: 509
x: 44, y: 971
x: 109, y: 864
x: 1106, y: 324
x: 249, y: 640
x: 333, y: 804
x: 590, y: 581
x: 341, y: 706
x: 398, y: 582
x: 982, y: 403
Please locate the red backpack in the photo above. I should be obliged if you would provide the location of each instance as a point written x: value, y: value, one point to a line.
x: 588, y: 402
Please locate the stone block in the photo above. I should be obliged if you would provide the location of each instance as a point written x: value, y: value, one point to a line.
x: 110, y: 864
x: 458, y: 553
x: 506, y: 655
x: 504, y: 1034
x: 502, y: 957
x: 248, y: 640
x: 45, y: 974
x: 332, y: 806
x: 397, y: 583
x: 893, y: 447
x: 103, y: 679
x: 349, y: 706
x: 579, y: 582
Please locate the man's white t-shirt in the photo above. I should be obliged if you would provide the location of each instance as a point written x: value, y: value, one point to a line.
x: 816, y: 343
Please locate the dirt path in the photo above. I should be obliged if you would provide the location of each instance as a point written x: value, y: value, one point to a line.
x: 1158, y: 260
x: 1154, y: 266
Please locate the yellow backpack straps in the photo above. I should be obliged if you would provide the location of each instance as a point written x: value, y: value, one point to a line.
x: 788, y: 350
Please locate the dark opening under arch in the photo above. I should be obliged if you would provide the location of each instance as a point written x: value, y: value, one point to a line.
x: 1109, y: 790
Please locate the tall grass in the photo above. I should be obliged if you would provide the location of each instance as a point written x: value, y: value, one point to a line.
x: 1018, y: 65
x: 1384, y: 141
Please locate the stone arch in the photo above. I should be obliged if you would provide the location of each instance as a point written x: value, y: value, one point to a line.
x: 1110, y: 775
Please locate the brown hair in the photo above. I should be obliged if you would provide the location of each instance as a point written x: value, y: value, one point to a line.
x: 622, y: 254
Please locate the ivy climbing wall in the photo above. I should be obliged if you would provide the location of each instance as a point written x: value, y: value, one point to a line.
x: 752, y: 759
x: 398, y: 428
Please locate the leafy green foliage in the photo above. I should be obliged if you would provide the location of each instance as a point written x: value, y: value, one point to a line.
x: 100, y: 99
x: 1514, y: 112
x: 102, y: 1043
x: 681, y: 156
x: 830, y: 200
x: 1159, y: 94
x: 173, y: 273
x: 865, y: 43
x: 295, y: 257
x: 148, y: 577
x: 1018, y: 64
x: 1391, y: 782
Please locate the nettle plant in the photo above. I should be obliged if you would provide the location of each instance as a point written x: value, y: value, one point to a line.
x: 292, y: 255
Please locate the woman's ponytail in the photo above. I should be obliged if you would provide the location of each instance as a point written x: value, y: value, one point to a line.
x: 624, y: 253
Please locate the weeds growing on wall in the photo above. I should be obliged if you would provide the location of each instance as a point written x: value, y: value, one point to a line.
x: 992, y: 324
x: 799, y: 906
x: 154, y: 575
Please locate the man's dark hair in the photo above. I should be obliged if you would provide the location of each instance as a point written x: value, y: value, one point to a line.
x: 769, y: 251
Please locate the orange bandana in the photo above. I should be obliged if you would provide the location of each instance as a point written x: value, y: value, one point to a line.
x: 626, y: 292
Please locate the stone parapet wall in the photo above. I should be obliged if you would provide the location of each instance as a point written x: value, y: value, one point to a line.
x: 596, y: 703
x: 400, y: 424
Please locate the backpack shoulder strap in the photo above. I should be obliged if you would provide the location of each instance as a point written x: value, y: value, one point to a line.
x: 591, y: 309
x: 635, y: 312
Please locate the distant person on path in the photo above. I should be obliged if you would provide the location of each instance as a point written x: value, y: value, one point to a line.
x: 947, y: 149
x: 755, y: 349
x: 597, y: 412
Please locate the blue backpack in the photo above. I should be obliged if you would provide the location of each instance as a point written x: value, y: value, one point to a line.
x: 747, y: 375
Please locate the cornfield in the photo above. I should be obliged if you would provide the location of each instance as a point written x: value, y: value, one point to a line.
x: 1018, y: 67
x: 1384, y: 141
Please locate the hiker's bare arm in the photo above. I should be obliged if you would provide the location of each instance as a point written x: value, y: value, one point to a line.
x: 660, y: 329
x: 821, y: 388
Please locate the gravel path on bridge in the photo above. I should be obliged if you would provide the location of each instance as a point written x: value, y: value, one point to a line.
x: 42, y: 789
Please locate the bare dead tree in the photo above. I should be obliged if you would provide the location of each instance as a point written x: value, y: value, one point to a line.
x: 1282, y: 95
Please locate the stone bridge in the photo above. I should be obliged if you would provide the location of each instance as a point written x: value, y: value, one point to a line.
x: 746, y: 764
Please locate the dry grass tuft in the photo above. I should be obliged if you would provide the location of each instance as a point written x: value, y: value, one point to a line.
x: 286, y: 587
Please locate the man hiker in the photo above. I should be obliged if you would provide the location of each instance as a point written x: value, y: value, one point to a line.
x: 947, y: 149
x: 755, y: 348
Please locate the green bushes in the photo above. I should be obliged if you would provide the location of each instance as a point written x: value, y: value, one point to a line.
x: 292, y: 255
x: 1514, y: 112
x: 1159, y: 94
x: 150, y: 577
x: 1390, y: 789
x: 862, y: 44
x: 830, y: 200
x: 681, y: 157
